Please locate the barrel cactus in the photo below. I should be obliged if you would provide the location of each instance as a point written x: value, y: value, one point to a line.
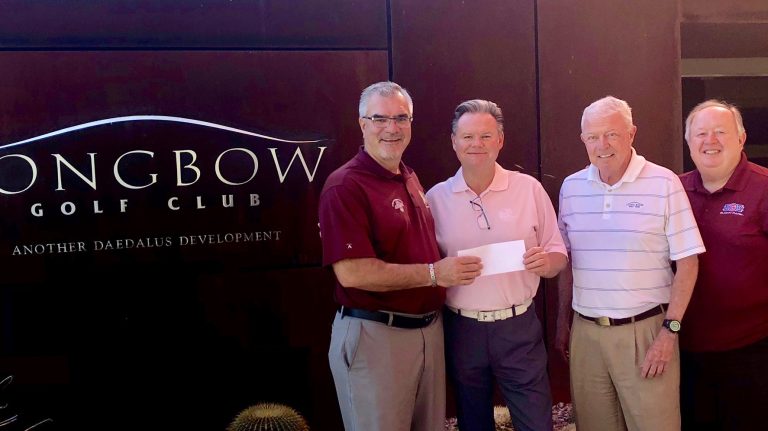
x: 268, y: 417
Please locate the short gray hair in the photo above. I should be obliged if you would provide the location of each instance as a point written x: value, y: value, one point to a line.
x: 607, y: 106
x: 478, y: 106
x: 383, y: 89
x: 714, y: 103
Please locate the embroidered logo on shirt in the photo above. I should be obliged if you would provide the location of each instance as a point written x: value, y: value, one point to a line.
x: 507, y: 214
x: 349, y: 246
x: 398, y: 205
x: 733, y: 208
x: 634, y: 204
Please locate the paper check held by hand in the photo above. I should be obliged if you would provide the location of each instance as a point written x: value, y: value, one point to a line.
x: 499, y: 257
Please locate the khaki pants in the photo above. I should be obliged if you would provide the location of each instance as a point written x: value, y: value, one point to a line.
x: 388, y: 379
x: 607, y: 390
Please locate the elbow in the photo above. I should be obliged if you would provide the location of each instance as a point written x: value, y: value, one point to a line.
x: 687, y: 270
x: 551, y: 274
x: 695, y: 268
x: 345, y: 279
x: 346, y: 275
x: 560, y: 262
x: 690, y: 263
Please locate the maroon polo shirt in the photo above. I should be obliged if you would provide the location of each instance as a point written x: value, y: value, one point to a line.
x: 367, y: 211
x: 729, y: 306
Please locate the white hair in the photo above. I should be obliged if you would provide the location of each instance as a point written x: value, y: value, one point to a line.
x: 384, y: 89
x: 607, y: 106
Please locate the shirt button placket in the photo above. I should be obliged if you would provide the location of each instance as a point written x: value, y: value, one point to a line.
x: 607, y: 204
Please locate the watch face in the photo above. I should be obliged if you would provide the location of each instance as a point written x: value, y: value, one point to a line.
x: 674, y: 325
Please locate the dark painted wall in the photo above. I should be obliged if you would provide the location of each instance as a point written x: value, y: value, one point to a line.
x: 466, y: 50
x: 207, y: 24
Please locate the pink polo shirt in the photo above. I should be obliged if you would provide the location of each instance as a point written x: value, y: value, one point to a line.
x: 517, y: 208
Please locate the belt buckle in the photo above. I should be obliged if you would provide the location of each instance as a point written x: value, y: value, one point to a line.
x: 603, y: 321
x: 486, y: 316
x: 428, y: 318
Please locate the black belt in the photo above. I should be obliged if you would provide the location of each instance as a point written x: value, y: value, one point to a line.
x: 607, y: 321
x: 391, y: 319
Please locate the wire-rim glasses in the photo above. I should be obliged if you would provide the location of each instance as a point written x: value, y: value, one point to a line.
x: 381, y: 121
x: 482, y: 219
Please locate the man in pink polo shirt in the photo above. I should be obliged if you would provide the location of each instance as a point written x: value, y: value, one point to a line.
x: 386, y: 351
x: 724, y: 368
x: 492, y: 332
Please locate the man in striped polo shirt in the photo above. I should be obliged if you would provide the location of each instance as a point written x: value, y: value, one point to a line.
x: 623, y: 220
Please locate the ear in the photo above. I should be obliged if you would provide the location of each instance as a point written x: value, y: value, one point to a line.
x: 453, y: 141
x: 743, y: 139
x: 362, y: 123
x: 632, y: 133
x: 501, y: 140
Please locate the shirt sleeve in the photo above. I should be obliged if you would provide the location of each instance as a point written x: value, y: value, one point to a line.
x: 560, y: 223
x: 344, y: 225
x: 681, y: 229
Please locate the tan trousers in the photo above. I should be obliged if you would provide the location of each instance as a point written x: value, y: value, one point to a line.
x: 607, y: 390
x: 388, y: 379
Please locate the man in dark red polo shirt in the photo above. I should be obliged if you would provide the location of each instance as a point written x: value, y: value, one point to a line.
x: 724, y: 339
x: 386, y: 351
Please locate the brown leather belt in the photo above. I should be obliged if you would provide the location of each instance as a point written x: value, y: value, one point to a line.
x: 607, y: 321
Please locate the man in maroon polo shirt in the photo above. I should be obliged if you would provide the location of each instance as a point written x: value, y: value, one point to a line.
x: 724, y: 341
x: 386, y: 351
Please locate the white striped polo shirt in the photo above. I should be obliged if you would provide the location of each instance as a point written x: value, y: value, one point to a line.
x: 622, y: 237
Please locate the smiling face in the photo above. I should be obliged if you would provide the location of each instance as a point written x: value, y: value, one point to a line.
x: 477, y: 141
x: 715, y: 143
x: 608, y: 140
x: 386, y: 145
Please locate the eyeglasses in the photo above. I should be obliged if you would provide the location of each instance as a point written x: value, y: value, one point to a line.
x: 482, y: 219
x: 593, y: 138
x: 380, y: 121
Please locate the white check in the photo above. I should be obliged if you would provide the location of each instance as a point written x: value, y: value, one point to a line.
x: 499, y: 257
